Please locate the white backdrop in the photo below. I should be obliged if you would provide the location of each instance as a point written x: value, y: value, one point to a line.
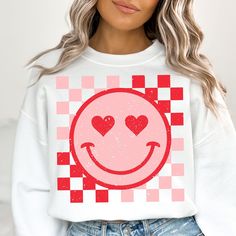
x: 29, y: 26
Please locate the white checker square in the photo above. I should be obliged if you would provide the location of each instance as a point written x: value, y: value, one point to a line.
x: 165, y: 195
x: 178, y: 182
x: 114, y: 195
x: 98, y: 186
x: 177, y: 106
x: 75, y: 81
x: 163, y: 93
x: 63, y: 170
x: 62, y: 95
x: 177, y: 131
x: 142, y: 90
x: 74, y: 106
x: 174, y: 82
x: 63, y: 146
x: 100, y: 82
x: 89, y: 196
x: 76, y: 183
x: 153, y: 183
x: 125, y: 82
x: 177, y: 157
x: 87, y: 93
x: 168, y: 116
x: 63, y: 120
x: 150, y: 82
x: 72, y: 161
x: 140, y: 195
x: 166, y: 170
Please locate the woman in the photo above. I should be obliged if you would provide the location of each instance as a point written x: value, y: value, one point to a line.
x: 125, y: 131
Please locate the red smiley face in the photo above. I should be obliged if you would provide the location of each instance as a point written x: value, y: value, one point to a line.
x: 120, y: 138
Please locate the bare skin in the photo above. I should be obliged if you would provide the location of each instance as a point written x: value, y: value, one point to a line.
x: 119, y: 32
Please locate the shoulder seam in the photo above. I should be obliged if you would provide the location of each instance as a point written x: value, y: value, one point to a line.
x: 35, y: 122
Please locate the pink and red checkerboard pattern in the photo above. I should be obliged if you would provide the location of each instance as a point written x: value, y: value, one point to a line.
x: 163, y: 187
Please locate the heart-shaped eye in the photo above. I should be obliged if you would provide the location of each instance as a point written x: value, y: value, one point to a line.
x: 136, y: 125
x: 103, y: 125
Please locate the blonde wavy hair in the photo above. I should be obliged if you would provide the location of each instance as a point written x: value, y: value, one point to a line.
x: 172, y: 23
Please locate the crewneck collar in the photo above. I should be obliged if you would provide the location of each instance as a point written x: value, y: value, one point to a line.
x: 137, y: 58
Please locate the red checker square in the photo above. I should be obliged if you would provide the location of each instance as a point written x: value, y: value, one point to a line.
x: 176, y: 93
x: 163, y: 81
x: 63, y: 183
x: 177, y: 118
x: 76, y: 171
x: 88, y: 183
x: 164, y: 105
x: 101, y: 195
x: 63, y: 158
x: 138, y: 81
x: 76, y: 196
x: 151, y: 93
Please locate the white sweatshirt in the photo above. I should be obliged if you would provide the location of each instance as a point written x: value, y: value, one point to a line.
x: 121, y: 137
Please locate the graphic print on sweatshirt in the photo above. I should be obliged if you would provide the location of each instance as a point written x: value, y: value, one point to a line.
x: 120, y: 139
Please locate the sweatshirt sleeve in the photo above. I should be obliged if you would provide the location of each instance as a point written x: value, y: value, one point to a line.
x: 214, y: 146
x: 30, y: 176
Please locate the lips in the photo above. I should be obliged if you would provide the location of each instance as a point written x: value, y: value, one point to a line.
x: 127, y: 5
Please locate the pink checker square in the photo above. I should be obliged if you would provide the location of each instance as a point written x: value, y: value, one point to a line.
x: 165, y: 182
x: 177, y: 144
x: 152, y: 195
x: 62, y: 82
x: 75, y: 94
x: 177, y: 169
x: 62, y: 107
x: 113, y: 81
x: 127, y: 195
x: 87, y: 81
x: 62, y: 133
x: 177, y: 194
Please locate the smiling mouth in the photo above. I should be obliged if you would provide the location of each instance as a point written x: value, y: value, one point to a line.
x: 152, y: 145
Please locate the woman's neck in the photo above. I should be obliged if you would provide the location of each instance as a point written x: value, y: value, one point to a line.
x: 115, y: 41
